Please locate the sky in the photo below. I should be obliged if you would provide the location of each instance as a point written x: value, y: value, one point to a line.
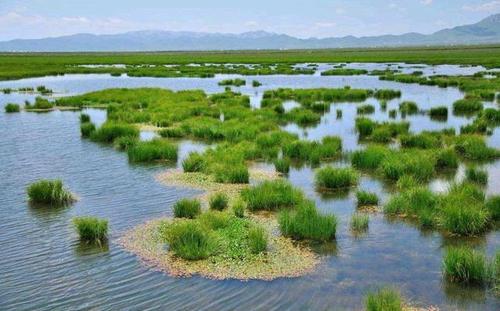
x: 300, y: 18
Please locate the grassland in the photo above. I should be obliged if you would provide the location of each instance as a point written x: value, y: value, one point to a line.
x: 23, y: 65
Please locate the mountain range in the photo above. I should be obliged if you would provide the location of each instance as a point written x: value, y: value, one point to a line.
x: 486, y: 31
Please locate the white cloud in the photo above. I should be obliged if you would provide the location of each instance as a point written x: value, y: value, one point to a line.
x: 490, y: 7
x: 426, y: 2
x: 325, y: 24
x: 251, y: 23
x: 340, y: 11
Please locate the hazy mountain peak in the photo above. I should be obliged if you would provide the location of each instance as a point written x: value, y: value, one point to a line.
x: 485, y: 31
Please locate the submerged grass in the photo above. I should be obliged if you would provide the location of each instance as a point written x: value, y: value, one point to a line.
x: 385, y: 299
x: 467, y: 266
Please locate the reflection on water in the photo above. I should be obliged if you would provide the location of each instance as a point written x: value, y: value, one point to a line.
x: 44, y: 265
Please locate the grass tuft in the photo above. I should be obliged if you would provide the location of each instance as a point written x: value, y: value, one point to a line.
x: 385, y: 299
x: 49, y: 192
x: 219, y: 201
x: 154, y: 150
x: 272, y: 196
x: 336, y: 178
x: 366, y: 198
x: 91, y: 229
x: 187, y: 208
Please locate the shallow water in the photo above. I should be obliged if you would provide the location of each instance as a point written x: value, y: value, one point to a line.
x: 45, y: 267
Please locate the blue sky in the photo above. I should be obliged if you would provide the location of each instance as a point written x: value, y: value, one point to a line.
x: 312, y: 18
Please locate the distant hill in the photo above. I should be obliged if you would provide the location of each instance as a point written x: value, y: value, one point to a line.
x: 485, y: 31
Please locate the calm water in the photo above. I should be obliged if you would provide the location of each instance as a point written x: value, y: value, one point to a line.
x: 43, y: 266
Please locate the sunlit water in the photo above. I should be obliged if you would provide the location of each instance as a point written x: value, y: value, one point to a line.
x: 43, y: 265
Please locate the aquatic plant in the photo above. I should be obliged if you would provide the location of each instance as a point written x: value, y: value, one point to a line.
x: 476, y: 175
x: 109, y: 131
x: 194, y: 162
x: 218, y: 201
x: 232, y: 174
x: 86, y: 129
x: 47, y: 191
x: 256, y: 83
x: 439, y: 113
x: 187, y: 208
x: 462, y: 210
x: 125, y: 142
x: 271, y: 195
x: 91, y: 229
x: 235, y: 82
x: 493, y: 206
x: 175, y: 132
x: 369, y: 158
x: 257, y: 239
x: 422, y: 141
x: 282, y: 165
x: 84, y: 118
x: 188, y: 240
x: 331, y: 178
x: 11, y: 108
x: 41, y: 104
x: 473, y: 147
x: 446, y: 159
x: 365, y: 109
x: 365, y: 198
x: 364, y: 126
x: 384, y: 299
x: 393, y: 113
x: 305, y: 223
x: 467, y: 106
x: 359, y: 222
x: 344, y: 72
x: 387, y: 94
x: 465, y: 265
x: 408, y: 107
x: 153, y: 150
x: 239, y: 208
x: 339, y: 114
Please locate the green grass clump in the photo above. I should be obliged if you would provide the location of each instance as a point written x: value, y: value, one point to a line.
x: 462, y: 211
x: 154, y: 150
x: 125, y: 142
x: 417, y: 164
x: 365, y: 198
x: 42, y: 103
x: 188, y: 240
x: 365, y: 126
x: 110, y: 131
x: 473, y: 147
x: 232, y: 174
x: 467, y: 266
x: 175, y: 132
x: 187, y: 208
x: 239, y: 208
x: 282, y: 165
x: 476, y: 175
x: 408, y: 107
x: 439, y: 113
x: 235, y: 82
x: 418, y: 203
x: 387, y: 94
x: 91, y: 229
x: 272, y: 196
x: 359, y: 222
x: 369, y: 158
x: 84, y: 118
x: 305, y: 223
x: 384, y: 299
x: 493, y: 206
x: 365, y: 109
x: 467, y: 106
x: 49, y: 192
x: 393, y: 113
x: 219, y: 201
x: 86, y: 129
x: 422, y: 141
x: 344, y: 72
x: 194, y: 162
x: 257, y: 239
x: 256, y: 83
x: 336, y: 178
x: 11, y: 108
x: 446, y: 159
x: 214, y: 219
